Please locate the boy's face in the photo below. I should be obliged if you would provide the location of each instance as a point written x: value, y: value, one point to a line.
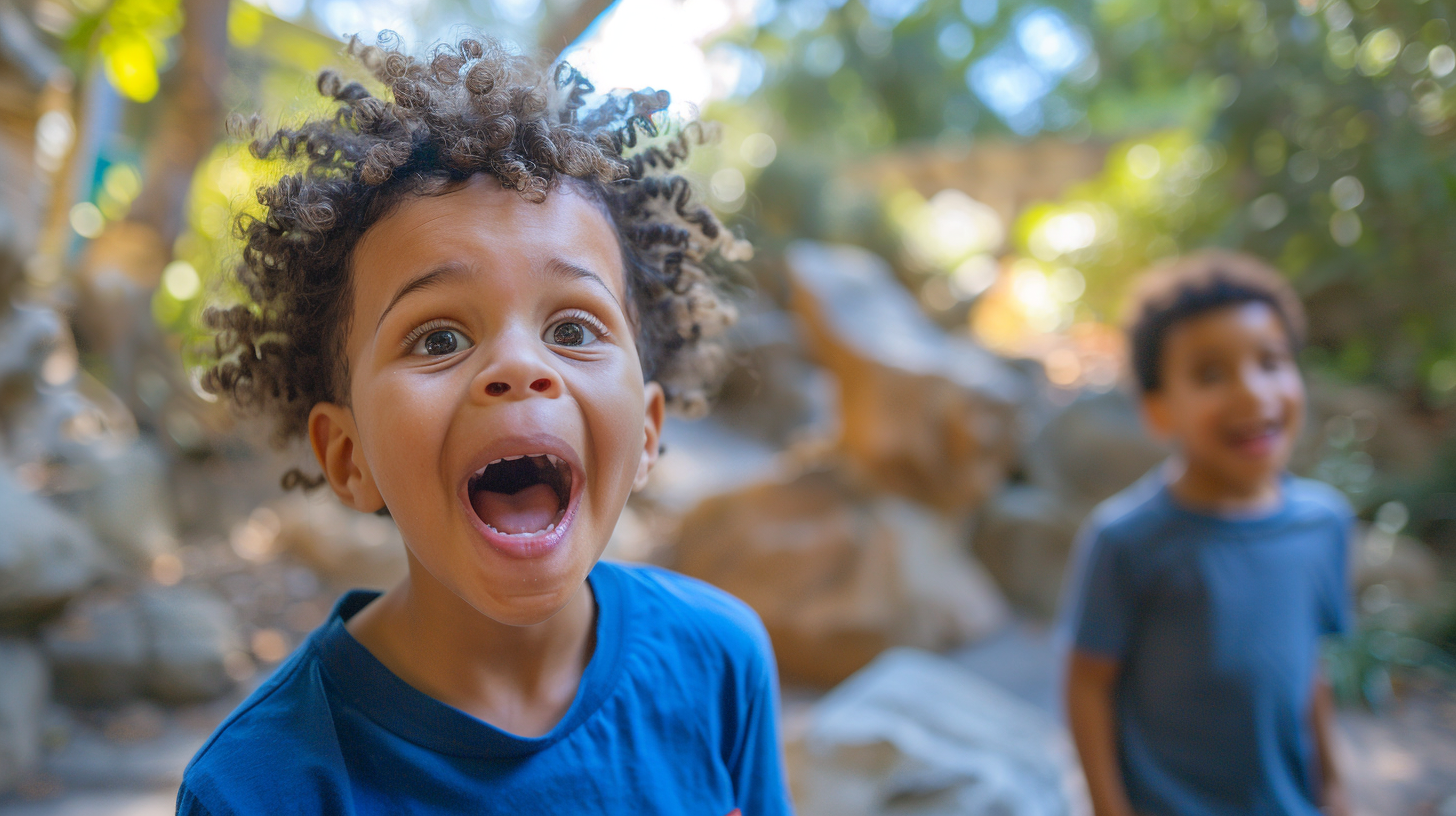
x: 497, y: 406
x: 1231, y: 398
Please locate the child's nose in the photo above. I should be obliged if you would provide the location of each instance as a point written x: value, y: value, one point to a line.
x: 498, y: 388
x: 516, y: 371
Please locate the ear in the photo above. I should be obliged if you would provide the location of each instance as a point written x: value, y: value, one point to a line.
x: 656, y: 410
x: 1157, y: 415
x: 335, y: 441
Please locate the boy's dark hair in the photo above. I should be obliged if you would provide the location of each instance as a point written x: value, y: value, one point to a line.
x: 1186, y: 287
x: 468, y: 108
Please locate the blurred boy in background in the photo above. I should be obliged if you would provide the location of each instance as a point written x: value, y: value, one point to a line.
x: 1202, y: 592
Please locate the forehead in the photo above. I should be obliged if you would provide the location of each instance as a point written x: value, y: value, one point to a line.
x: 489, y: 228
x: 1230, y: 329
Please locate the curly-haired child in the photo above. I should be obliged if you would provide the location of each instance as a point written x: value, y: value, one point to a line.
x: 476, y: 300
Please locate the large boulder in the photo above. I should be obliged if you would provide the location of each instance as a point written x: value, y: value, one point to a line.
x: 1093, y: 448
x: 838, y: 572
x: 192, y: 633
x: 924, y: 414
x: 128, y: 503
x: 170, y: 643
x: 46, y: 556
x: 98, y: 650
x: 24, y: 695
x: 344, y: 546
x: 1024, y: 537
x: 914, y: 733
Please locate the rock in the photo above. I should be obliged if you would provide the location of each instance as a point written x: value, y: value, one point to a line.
x: 24, y: 693
x: 192, y: 632
x: 838, y: 573
x: 1404, y: 567
x: 773, y: 392
x: 1369, y: 431
x: 1024, y: 537
x: 703, y: 458
x: 1094, y: 448
x: 98, y: 650
x: 171, y: 643
x: 914, y: 733
x: 28, y: 335
x: 128, y: 503
x: 45, y: 555
x: 344, y: 546
x: 924, y: 414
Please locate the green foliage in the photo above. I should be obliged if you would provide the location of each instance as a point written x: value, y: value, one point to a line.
x: 1316, y: 134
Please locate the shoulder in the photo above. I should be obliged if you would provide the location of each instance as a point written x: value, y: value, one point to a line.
x: 1131, y: 516
x: 692, y: 613
x: 271, y: 749
x: 1314, y: 499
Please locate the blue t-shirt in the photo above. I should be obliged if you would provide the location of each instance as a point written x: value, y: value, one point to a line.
x: 1216, y: 622
x: 676, y: 714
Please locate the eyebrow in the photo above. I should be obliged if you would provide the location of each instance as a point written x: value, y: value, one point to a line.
x: 570, y: 270
x: 433, y: 277
x: 440, y: 274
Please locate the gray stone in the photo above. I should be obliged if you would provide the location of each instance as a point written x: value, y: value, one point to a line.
x: 191, y: 634
x: 924, y: 414
x: 1094, y: 448
x: 1024, y: 537
x: 24, y: 687
x: 45, y: 555
x: 128, y: 503
x: 98, y: 650
x: 914, y: 733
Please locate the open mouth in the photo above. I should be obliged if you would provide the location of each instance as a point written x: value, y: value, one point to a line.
x: 523, y: 495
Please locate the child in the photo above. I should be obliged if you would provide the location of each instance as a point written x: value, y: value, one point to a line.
x: 1202, y: 592
x: 477, y: 310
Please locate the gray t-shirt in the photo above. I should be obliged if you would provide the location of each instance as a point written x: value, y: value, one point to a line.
x: 1216, y: 622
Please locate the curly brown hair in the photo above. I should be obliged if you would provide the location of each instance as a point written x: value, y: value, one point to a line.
x: 469, y: 108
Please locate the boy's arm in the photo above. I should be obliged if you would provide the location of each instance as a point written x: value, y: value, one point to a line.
x: 1093, y: 720
x: 1332, y: 799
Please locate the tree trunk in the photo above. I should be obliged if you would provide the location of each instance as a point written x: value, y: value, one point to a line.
x: 563, y: 32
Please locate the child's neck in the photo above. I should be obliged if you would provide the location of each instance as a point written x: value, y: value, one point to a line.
x: 1206, y: 490
x: 521, y: 679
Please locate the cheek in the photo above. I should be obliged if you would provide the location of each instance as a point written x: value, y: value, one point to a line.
x: 615, y: 413
x: 415, y: 412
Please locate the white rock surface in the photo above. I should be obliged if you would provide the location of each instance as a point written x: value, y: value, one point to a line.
x: 914, y: 733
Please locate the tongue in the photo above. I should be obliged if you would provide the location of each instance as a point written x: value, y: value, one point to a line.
x: 526, y: 511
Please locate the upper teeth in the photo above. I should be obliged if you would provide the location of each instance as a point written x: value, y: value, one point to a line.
x: 552, y: 459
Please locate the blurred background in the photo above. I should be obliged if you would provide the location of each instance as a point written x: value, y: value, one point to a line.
x: 948, y: 199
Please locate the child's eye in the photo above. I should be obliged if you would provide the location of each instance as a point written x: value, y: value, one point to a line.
x: 440, y: 342
x: 575, y: 330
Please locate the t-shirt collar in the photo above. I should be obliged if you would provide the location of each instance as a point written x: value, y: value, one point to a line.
x: 379, y: 694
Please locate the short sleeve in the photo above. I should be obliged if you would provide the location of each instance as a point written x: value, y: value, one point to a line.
x: 756, y: 764
x: 1102, y: 599
x: 1335, y: 615
x: 188, y: 804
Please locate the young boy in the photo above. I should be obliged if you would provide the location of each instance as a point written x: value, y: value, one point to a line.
x: 1202, y: 592
x: 477, y: 309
